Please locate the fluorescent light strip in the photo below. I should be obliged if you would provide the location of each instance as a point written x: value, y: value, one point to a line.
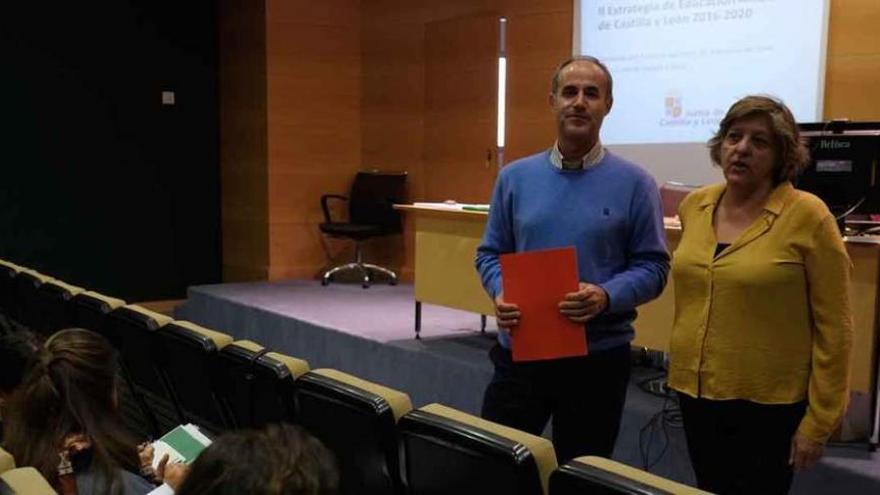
x: 502, y: 100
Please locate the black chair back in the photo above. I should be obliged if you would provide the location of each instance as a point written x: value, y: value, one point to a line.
x: 235, y: 382
x: 356, y: 420
x: 8, y: 271
x: 134, y: 329
x: 273, y: 388
x: 54, y: 305
x: 372, y: 197
x: 24, y: 297
x: 590, y: 474
x: 448, y: 451
x: 91, y: 310
x: 189, y: 363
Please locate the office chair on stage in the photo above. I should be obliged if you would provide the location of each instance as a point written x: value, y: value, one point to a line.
x: 370, y: 214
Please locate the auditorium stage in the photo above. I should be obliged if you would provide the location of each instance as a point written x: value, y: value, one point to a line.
x: 369, y: 333
x: 365, y: 332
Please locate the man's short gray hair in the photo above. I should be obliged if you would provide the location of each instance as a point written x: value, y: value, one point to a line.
x: 554, y: 85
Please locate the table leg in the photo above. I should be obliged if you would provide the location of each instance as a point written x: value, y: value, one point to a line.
x: 418, y: 319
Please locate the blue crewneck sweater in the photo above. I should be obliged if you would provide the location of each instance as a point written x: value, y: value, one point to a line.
x: 610, y: 212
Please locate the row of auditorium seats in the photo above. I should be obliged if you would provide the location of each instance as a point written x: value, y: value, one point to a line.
x: 383, y: 445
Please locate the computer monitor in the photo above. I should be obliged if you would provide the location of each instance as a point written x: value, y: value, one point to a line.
x: 843, y: 169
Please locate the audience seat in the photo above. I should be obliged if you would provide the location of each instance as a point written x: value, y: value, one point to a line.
x: 54, y: 310
x: 234, y: 382
x: 273, y: 388
x: 256, y: 386
x: 189, y: 362
x: 25, y: 481
x: 6, y: 461
x: 606, y: 477
x: 91, y: 311
x: 134, y: 329
x: 24, y: 296
x: 356, y: 419
x: 448, y: 451
x: 8, y: 271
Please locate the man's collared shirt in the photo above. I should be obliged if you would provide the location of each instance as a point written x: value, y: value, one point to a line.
x: 594, y: 156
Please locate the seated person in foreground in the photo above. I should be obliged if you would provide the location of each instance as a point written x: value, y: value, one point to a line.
x: 277, y: 460
x: 64, y: 420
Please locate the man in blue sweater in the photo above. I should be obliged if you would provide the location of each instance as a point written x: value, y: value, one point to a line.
x: 575, y: 194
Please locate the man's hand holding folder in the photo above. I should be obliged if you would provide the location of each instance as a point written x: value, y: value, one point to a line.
x: 580, y: 306
x: 587, y: 302
x: 544, y: 317
x: 506, y: 314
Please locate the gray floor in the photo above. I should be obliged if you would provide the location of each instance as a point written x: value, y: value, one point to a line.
x: 370, y: 333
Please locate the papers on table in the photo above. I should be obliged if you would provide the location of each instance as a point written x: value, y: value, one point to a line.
x: 672, y: 222
x: 453, y: 206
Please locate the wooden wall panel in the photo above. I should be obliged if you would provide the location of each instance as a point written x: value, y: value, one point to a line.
x: 243, y: 154
x: 314, y: 124
x: 460, y: 95
x: 345, y: 88
x: 242, y: 240
x: 852, y: 27
x: 852, y: 84
x: 852, y: 76
x: 393, y: 93
x: 394, y: 115
x: 537, y: 42
x: 392, y: 105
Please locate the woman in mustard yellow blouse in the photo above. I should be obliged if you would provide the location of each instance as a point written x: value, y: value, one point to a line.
x: 762, y: 334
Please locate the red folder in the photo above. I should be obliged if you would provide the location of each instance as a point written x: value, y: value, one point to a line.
x: 537, y: 281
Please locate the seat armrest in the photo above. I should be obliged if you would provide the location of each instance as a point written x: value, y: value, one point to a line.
x: 325, y: 208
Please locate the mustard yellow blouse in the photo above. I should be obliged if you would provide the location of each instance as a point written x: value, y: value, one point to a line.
x: 767, y: 320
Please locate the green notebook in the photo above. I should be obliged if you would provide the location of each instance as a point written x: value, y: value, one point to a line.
x: 182, y: 444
